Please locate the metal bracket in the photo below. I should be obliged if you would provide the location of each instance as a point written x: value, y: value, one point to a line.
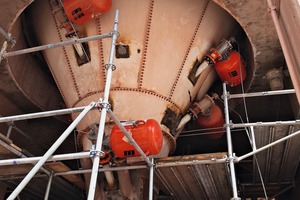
x: 231, y: 158
x: 227, y: 95
x: 94, y: 152
x: 100, y: 104
x: 114, y: 32
x: 112, y: 66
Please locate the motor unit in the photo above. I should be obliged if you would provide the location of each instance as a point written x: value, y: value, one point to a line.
x: 147, y: 134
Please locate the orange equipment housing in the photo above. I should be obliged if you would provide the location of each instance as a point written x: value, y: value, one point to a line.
x: 214, y: 120
x: 232, y: 70
x: 147, y: 134
x: 83, y: 11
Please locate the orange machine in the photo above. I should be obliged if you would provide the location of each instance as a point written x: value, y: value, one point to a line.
x: 231, y: 70
x: 214, y: 121
x: 83, y: 11
x: 147, y: 134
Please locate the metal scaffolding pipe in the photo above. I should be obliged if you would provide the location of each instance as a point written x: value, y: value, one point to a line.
x: 48, y: 186
x: 33, y: 160
x: 41, y: 114
x: 229, y: 144
x: 259, y: 94
x: 285, y: 49
x: 52, y: 149
x: 105, y: 106
x: 7, y: 36
x: 54, y: 45
x: 277, y: 123
x: 267, y: 146
x: 151, y: 177
x: 128, y: 135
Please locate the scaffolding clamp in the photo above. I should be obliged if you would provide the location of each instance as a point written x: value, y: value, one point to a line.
x: 101, y: 104
x: 114, y: 32
x: 233, y: 158
x: 112, y: 66
x: 94, y: 152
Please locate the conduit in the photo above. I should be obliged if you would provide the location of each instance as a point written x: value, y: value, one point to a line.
x: 285, y: 49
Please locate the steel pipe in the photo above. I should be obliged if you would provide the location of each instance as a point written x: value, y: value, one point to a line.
x: 54, y: 45
x: 7, y: 36
x: 285, y: 49
x: 277, y: 123
x: 33, y: 160
x: 105, y: 105
x: 52, y: 149
x: 48, y: 186
x: 259, y: 94
x: 267, y: 146
x: 41, y: 114
x: 229, y: 144
x: 151, y: 177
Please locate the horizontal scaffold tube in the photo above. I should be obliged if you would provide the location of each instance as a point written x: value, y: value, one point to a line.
x: 54, y: 45
x: 41, y: 114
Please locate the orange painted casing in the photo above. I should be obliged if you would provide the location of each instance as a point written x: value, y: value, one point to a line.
x: 232, y: 71
x: 147, y: 134
x: 214, y: 120
x: 83, y: 11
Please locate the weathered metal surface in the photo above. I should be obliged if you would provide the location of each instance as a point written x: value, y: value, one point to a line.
x: 209, y: 181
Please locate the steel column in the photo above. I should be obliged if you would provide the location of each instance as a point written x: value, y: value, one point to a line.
x: 52, y: 149
x: 105, y: 106
x: 229, y: 144
x: 285, y: 49
x: 151, y: 176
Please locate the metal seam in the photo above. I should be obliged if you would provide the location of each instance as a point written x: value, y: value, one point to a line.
x: 188, y: 51
x: 130, y: 90
x: 64, y: 50
x: 143, y: 63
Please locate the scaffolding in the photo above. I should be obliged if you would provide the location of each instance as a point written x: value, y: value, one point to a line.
x: 104, y: 106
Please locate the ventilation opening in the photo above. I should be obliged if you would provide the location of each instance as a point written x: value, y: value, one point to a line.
x: 122, y: 51
x: 129, y: 153
x: 82, y: 53
x: 192, y: 75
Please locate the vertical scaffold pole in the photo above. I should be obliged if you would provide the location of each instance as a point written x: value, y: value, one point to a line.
x: 50, y: 151
x: 105, y: 106
x: 229, y: 144
x: 48, y: 186
x: 151, y: 176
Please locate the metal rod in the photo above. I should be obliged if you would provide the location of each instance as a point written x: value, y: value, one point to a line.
x: 229, y: 144
x: 52, y: 149
x: 41, y: 114
x: 128, y: 135
x: 258, y: 94
x: 84, y: 171
x: 252, y: 136
x: 9, y: 130
x: 267, y: 146
x: 7, y: 36
x: 192, y: 162
x: 285, y: 49
x: 54, y: 45
x: 277, y: 123
x: 151, y: 176
x: 49, y: 186
x: 29, y: 160
x: 105, y: 104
